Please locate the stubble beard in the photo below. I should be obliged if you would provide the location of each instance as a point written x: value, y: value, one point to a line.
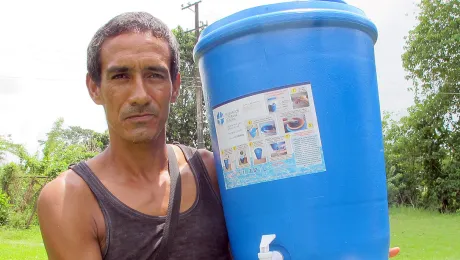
x: 145, y: 136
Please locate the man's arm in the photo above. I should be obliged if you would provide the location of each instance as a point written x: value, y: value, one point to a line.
x: 66, y: 221
x: 208, y: 159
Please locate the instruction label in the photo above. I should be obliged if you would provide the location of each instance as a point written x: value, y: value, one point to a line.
x: 269, y: 136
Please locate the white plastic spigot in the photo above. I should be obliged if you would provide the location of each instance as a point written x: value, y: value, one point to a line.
x: 265, y: 253
x: 265, y: 243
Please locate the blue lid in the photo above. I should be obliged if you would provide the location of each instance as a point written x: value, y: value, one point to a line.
x: 305, y: 13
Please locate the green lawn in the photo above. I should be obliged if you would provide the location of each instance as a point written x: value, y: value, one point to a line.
x: 421, y: 235
x: 21, y: 244
x: 425, y: 235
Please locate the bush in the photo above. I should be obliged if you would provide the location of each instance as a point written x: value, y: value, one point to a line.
x: 4, y: 208
x: 20, y: 192
x: 19, y: 220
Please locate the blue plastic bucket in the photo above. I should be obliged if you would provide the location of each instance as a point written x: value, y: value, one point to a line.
x: 296, y: 82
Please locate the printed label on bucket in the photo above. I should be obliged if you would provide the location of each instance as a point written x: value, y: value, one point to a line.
x: 269, y: 136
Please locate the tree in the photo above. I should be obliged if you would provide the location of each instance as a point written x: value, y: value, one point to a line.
x: 62, y: 147
x: 181, y: 126
x: 416, y: 154
x: 4, y: 141
x: 432, y: 56
x: 66, y: 146
x: 92, y: 140
x: 421, y: 148
x: 402, y: 162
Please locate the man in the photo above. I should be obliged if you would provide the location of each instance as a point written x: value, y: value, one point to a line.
x: 114, y: 205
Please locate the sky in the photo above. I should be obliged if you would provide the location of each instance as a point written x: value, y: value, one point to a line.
x: 43, y: 56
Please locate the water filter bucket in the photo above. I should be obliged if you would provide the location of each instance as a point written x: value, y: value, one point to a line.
x: 302, y: 73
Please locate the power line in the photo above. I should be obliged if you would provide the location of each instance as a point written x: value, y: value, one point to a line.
x: 36, y: 78
x: 447, y: 93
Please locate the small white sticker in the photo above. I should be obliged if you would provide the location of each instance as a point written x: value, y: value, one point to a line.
x: 269, y: 136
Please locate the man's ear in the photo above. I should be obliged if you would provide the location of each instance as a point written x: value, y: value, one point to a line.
x: 176, y: 88
x: 94, y: 90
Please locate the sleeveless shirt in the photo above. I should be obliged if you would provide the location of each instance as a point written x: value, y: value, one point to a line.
x: 200, y: 233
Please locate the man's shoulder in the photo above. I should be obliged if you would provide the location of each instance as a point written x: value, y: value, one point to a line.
x: 190, y: 151
x: 66, y: 218
x: 66, y: 186
x: 208, y: 161
x: 207, y: 157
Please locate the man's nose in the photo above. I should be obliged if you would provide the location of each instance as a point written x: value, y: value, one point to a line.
x: 139, y: 94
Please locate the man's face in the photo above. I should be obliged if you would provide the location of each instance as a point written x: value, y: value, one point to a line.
x: 136, y: 87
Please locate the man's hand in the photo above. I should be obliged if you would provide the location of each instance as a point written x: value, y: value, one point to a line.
x: 394, y: 251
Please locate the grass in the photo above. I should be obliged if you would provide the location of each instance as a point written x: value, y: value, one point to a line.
x: 424, y: 235
x: 21, y: 244
x: 421, y: 235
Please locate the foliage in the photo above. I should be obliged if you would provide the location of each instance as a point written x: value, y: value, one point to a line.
x: 432, y: 48
x: 4, y: 208
x: 91, y: 140
x: 62, y: 147
x: 23, y: 182
x: 422, y: 167
x: 66, y: 146
x: 22, y: 191
x: 4, y: 141
x: 415, y: 154
x: 421, y: 148
x: 8, y: 173
x: 181, y: 125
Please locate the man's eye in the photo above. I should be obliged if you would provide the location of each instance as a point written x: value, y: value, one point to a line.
x: 155, y: 75
x: 120, y: 76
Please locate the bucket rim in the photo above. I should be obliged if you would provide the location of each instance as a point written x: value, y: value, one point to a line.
x: 312, y: 13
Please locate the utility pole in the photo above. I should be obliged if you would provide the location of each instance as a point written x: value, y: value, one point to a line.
x: 198, y: 88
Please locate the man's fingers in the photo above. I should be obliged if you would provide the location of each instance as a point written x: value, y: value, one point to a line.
x: 394, y: 251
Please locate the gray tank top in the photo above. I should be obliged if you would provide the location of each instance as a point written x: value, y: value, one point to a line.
x: 200, y: 233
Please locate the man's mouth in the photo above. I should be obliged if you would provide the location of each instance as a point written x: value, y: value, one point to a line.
x: 140, y: 117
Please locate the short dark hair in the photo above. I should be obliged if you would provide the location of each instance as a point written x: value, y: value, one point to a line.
x: 139, y: 22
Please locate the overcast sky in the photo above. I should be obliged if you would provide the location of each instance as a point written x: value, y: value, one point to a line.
x: 43, y: 55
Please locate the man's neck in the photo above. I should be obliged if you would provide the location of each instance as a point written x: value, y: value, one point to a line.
x: 138, y: 160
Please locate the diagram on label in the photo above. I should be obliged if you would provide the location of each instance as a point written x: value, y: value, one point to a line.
x: 269, y: 136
